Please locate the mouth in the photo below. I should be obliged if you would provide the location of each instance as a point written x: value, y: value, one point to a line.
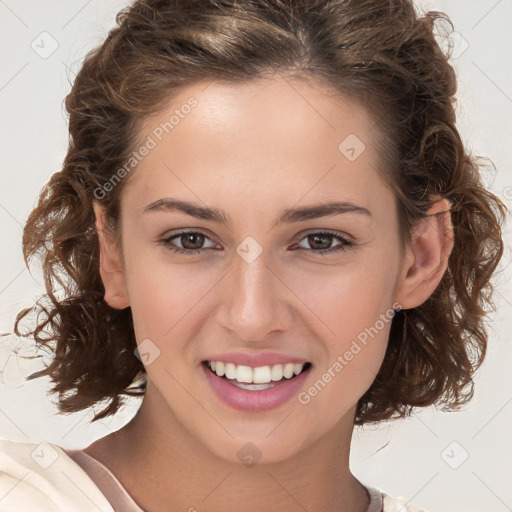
x: 255, y: 389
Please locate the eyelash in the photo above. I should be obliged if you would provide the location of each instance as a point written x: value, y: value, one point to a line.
x: 344, y: 245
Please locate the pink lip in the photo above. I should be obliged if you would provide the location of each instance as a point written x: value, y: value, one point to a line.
x: 255, y: 401
x: 255, y: 360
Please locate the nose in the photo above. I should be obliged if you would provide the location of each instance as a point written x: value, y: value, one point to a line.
x: 255, y: 303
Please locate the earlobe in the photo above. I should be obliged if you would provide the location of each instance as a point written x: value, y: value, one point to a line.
x: 111, y: 269
x: 427, y: 257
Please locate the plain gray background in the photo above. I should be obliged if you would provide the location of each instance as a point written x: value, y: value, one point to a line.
x: 443, y: 462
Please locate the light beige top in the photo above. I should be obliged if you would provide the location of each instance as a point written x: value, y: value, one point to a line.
x: 106, y: 482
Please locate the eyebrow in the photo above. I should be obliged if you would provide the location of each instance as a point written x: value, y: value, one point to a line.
x: 289, y: 215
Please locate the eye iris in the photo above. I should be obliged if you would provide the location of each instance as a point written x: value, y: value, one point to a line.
x: 313, y: 240
x: 192, y: 236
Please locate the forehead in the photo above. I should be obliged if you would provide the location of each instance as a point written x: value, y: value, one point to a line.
x: 264, y: 139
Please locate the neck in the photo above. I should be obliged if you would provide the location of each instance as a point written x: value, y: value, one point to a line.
x: 164, y: 468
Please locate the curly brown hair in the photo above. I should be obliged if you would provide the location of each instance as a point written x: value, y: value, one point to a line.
x: 382, y: 54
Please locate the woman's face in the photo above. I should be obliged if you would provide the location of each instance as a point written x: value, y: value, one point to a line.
x: 255, y: 164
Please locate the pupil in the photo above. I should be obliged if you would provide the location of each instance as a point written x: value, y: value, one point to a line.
x: 326, y: 238
x: 192, y: 236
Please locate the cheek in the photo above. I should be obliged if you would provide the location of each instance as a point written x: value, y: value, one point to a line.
x: 160, y: 305
x: 164, y: 295
x: 353, y: 314
x: 354, y: 356
x: 348, y: 299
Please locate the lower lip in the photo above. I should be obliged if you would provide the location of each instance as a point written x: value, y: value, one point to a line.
x: 255, y: 401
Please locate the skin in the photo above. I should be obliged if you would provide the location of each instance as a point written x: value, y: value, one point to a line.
x: 253, y: 150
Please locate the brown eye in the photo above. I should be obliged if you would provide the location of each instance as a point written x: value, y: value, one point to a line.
x: 321, y: 243
x: 192, y: 240
x: 187, y: 242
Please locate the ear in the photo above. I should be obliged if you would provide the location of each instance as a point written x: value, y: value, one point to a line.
x: 111, y: 268
x: 427, y: 256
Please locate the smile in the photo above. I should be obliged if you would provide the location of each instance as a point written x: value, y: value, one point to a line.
x: 258, y: 375
x: 255, y: 389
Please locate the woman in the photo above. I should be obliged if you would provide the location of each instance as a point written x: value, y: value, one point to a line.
x: 269, y: 227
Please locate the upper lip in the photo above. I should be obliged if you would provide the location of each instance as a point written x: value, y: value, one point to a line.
x: 256, y: 360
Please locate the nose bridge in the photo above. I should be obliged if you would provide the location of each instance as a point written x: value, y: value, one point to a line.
x: 253, y: 304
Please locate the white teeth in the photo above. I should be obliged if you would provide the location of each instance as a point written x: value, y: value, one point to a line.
x: 219, y: 368
x: 258, y: 375
x: 253, y: 387
x: 262, y: 375
x: 230, y: 371
x: 277, y: 372
x: 243, y: 373
x: 288, y: 370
